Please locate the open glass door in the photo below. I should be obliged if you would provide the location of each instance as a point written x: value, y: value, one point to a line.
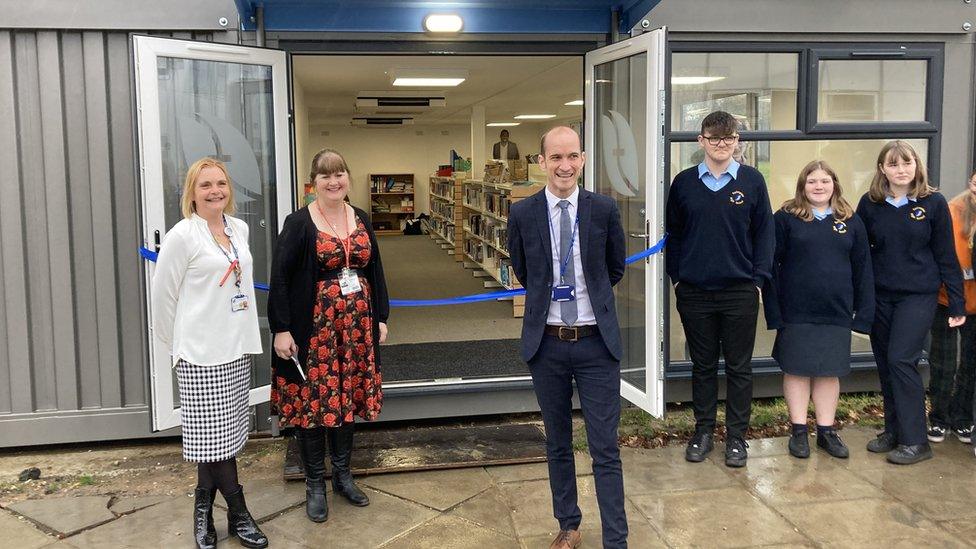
x: 624, y: 135
x: 196, y: 99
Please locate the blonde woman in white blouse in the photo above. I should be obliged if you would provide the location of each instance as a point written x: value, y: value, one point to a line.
x: 204, y: 310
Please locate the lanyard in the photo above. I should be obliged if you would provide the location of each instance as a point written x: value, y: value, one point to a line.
x: 346, y: 245
x: 235, y: 264
x: 564, y: 262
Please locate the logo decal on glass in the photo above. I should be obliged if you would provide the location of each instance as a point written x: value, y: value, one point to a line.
x: 619, y: 153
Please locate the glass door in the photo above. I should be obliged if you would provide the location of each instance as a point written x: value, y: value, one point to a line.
x: 624, y: 135
x: 197, y: 99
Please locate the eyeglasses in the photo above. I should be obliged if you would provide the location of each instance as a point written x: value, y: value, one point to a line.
x: 714, y: 141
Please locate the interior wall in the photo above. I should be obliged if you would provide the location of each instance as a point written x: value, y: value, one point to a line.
x: 409, y: 149
x: 302, y: 158
x: 526, y: 136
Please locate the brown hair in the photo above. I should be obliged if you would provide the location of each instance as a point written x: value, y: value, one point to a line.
x: 327, y: 162
x: 879, y: 185
x: 187, y: 206
x: 968, y: 202
x: 800, y: 206
x: 720, y: 123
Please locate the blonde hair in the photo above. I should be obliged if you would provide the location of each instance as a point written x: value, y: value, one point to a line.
x: 968, y: 202
x: 187, y: 205
x: 800, y: 205
x: 879, y: 185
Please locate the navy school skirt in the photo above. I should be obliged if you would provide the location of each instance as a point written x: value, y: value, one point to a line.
x: 813, y: 350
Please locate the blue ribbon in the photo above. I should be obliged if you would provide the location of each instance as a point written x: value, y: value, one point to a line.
x: 150, y: 255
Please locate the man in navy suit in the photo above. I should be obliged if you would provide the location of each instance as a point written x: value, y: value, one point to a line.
x: 567, y: 250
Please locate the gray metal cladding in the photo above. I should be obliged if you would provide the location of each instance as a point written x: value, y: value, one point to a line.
x: 73, y: 354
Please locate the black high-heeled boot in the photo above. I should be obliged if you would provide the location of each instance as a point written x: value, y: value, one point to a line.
x: 204, y: 532
x: 240, y: 524
x: 340, y: 449
x: 311, y: 444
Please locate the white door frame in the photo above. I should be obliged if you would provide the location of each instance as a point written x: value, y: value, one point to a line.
x: 653, y: 44
x: 146, y: 50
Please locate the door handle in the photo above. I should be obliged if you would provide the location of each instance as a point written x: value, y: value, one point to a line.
x: 156, y: 240
x: 637, y: 235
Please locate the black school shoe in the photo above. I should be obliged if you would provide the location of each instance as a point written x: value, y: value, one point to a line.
x: 965, y: 435
x: 800, y: 445
x: 735, y: 452
x: 936, y: 433
x: 884, y: 443
x: 698, y: 447
x: 830, y: 442
x: 908, y: 455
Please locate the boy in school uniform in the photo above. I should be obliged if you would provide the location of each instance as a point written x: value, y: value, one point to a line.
x: 721, y: 238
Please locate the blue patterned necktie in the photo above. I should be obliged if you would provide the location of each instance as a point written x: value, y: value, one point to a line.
x: 567, y: 309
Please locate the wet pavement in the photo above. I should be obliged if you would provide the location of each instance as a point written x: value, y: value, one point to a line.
x: 775, y: 501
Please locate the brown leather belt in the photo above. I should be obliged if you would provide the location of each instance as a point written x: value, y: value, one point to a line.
x: 571, y: 333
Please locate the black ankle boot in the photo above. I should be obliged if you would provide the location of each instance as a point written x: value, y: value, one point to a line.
x: 240, y: 524
x: 204, y: 532
x: 311, y: 444
x: 340, y: 448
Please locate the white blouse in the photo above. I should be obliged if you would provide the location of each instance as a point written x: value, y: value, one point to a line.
x: 191, y: 313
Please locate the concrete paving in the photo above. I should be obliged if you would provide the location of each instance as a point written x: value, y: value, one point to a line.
x: 776, y: 501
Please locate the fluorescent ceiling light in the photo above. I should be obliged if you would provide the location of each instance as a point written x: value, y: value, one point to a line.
x: 574, y: 103
x: 534, y: 116
x: 428, y: 77
x: 603, y: 81
x: 442, y: 22
x: 501, y: 124
x: 694, y: 80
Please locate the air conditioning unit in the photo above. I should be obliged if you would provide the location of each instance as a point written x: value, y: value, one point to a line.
x: 406, y: 101
x: 381, y: 121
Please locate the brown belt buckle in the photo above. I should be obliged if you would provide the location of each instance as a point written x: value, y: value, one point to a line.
x: 569, y: 330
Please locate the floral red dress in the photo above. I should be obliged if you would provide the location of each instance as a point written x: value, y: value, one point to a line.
x: 343, y: 380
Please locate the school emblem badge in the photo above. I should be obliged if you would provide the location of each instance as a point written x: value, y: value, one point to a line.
x: 737, y: 197
x: 840, y: 227
x: 917, y: 213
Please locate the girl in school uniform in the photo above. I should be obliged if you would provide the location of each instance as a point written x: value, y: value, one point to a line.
x: 912, y: 253
x: 824, y: 288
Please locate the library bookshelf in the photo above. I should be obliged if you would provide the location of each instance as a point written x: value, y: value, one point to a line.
x: 445, y: 213
x: 391, y: 201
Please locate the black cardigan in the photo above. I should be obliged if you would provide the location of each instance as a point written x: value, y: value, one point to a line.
x: 294, y: 274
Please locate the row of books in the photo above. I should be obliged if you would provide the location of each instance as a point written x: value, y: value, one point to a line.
x: 390, y: 184
x: 444, y: 228
x: 497, y: 203
x: 499, y: 266
x: 444, y: 209
x: 489, y: 229
x: 385, y: 205
x: 442, y: 187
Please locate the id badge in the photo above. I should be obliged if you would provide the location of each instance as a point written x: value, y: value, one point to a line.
x: 563, y: 292
x: 967, y: 274
x: 349, y: 282
x: 238, y: 303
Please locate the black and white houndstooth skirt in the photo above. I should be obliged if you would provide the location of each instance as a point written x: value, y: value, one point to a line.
x: 214, y: 408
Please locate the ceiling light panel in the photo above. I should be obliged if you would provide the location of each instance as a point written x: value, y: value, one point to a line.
x: 443, y: 23
x: 502, y: 124
x: 534, y: 116
x: 428, y: 77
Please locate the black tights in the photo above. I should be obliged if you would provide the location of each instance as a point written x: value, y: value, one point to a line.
x: 219, y: 474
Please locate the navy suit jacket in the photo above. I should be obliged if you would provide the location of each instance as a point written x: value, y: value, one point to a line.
x: 601, y: 240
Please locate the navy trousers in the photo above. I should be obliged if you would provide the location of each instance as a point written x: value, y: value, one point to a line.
x: 597, y: 374
x: 901, y: 322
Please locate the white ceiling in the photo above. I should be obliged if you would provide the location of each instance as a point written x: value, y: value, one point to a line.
x: 506, y: 86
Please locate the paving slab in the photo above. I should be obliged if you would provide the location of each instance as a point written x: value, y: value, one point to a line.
x: 962, y: 528
x: 724, y: 517
x: 489, y: 509
x: 665, y: 470
x: 640, y: 534
x: 166, y: 524
x: 438, y: 489
x: 128, y: 504
x: 519, y: 473
x: 385, y: 518
x: 941, y: 488
x: 66, y: 516
x: 451, y: 532
x: 790, y: 480
x: 866, y: 523
x: 268, y: 497
x: 18, y: 532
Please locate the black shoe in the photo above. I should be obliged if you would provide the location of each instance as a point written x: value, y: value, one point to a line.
x: 311, y: 445
x: 884, y: 443
x: 735, y: 452
x: 965, y: 434
x: 240, y: 524
x: 799, y: 445
x: 698, y: 447
x: 907, y: 455
x: 830, y: 441
x: 340, y: 447
x: 204, y: 532
x: 936, y: 433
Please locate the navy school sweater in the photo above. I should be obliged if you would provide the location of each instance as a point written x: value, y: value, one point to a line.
x: 912, y: 249
x: 821, y: 274
x: 723, y: 238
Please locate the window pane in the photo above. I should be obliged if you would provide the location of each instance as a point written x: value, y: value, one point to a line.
x: 780, y: 163
x: 757, y: 88
x: 871, y: 91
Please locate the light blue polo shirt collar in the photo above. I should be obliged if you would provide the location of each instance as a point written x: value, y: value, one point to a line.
x: 822, y: 214
x: 899, y: 202
x: 713, y: 183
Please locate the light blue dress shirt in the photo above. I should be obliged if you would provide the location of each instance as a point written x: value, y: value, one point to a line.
x: 715, y: 184
x: 899, y: 202
x: 822, y: 214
